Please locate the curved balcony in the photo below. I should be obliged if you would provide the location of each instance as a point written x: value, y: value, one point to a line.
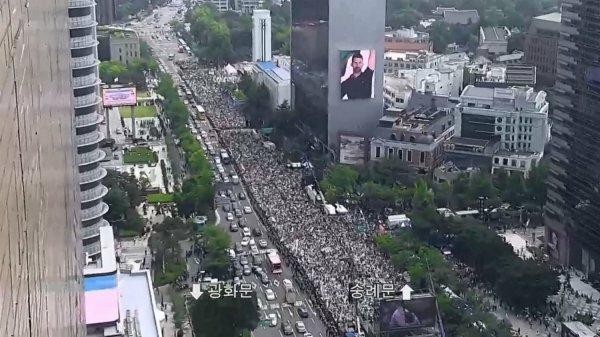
x: 86, y: 100
x: 81, y: 21
x: 93, y: 193
x: 93, y: 230
x: 94, y: 212
x: 83, y: 42
x: 92, y: 176
x: 90, y: 157
x: 84, y: 61
x: 88, y: 120
x: 86, y: 139
x: 81, y: 3
x: 92, y: 249
x: 85, y: 81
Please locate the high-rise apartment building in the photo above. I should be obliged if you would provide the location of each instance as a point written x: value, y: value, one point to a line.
x: 573, y: 204
x: 337, y: 66
x: 87, y: 117
x: 541, y: 46
x: 40, y: 250
x: 106, y: 12
x: 261, y: 35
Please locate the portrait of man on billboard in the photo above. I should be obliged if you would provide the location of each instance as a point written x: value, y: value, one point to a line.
x: 358, y: 68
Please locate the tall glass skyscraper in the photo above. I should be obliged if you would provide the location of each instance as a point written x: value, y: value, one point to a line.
x: 573, y: 205
x: 337, y: 66
x: 40, y: 249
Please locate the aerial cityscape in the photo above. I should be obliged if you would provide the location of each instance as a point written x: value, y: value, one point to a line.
x: 306, y: 168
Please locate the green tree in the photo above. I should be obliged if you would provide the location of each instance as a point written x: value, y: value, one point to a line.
x: 118, y: 204
x: 423, y: 196
x: 515, y: 189
x: 225, y: 316
x: 339, y: 181
x: 535, y: 184
x: 111, y: 70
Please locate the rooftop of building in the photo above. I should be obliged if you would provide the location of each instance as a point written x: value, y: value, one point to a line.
x: 137, y: 297
x: 494, y: 34
x: 554, y: 17
x: 117, y: 32
x: 107, y: 262
x: 408, y: 56
x: 517, y: 96
x: 469, y: 141
x: 514, y: 56
x: 422, y: 123
x: 278, y: 74
x: 407, y: 33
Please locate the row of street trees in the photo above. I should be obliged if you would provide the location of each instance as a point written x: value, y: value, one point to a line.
x: 196, y: 194
x: 118, y: 72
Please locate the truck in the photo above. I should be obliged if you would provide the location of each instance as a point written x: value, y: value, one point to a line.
x: 290, y: 295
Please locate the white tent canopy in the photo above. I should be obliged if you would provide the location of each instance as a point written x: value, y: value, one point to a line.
x: 230, y: 70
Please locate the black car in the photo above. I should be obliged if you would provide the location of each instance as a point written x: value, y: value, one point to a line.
x: 256, y: 232
x: 264, y: 278
x: 238, y: 247
x: 226, y: 208
x: 241, y: 196
x: 302, y: 312
x: 286, y: 328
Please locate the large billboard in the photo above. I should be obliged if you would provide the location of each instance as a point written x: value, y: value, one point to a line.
x: 357, y: 73
x: 353, y: 149
x: 400, y: 315
x: 119, y: 97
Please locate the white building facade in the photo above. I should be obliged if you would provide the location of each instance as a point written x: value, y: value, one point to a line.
x: 276, y: 79
x: 516, y: 117
x: 261, y: 35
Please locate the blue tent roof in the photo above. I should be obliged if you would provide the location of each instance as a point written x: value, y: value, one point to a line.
x: 100, y: 282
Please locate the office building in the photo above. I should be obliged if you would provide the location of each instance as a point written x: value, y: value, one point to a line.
x: 261, y: 35
x: 416, y: 134
x: 396, y: 61
x: 277, y: 81
x: 221, y: 5
x: 573, y: 204
x: 118, y: 44
x: 493, y: 41
x: 541, y: 46
x: 86, y: 89
x: 248, y: 6
x: 407, y: 40
x: 106, y: 12
x: 326, y: 38
x: 40, y: 250
x: 515, y: 118
x: 521, y: 75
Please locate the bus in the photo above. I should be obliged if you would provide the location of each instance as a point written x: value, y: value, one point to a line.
x: 274, y: 263
x: 181, y: 42
x: 200, y: 109
x: 225, y: 158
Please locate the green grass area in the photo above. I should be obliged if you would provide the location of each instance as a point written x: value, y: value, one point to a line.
x: 140, y: 155
x: 140, y: 111
x: 159, y: 198
x: 171, y: 273
x: 143, y: 94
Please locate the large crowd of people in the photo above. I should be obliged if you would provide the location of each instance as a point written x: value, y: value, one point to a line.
x: 207, y: 85
x: 326, y: 252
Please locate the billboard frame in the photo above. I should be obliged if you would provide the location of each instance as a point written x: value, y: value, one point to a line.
x: 111, y: 102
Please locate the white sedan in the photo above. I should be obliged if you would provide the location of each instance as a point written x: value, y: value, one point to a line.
x: 229, y: 216
x: 270, y: 295
x: 245, y: 241
x: 247, y: 209
x: 246, y: 232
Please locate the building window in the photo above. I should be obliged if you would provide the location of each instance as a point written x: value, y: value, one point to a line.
x: 487, y: 106
x: 499, y: 119
x: 422, y: 159
x: 377, y: 152
x: 471, y: 105
x: 513, y: 163
x: 522, y: 164
x: 505, y: 161
x: 390, y: 153
x: 496, y: 160
x: 400, y: 151
x: 409, y: 156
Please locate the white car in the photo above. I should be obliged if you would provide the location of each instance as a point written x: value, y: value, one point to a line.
x: 229, y: 216
x: 287, y: 284
x: 254, y: 249
x: 300, y: 327
x: 272, y: 320
x: 247, y: 209
x: 252, y: 242
x: 246, y: 232
x: 245, y: 241
x: 270, y: 295
x: 308, y: 334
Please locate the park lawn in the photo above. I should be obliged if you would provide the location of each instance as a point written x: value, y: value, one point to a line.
x: 139, y: 155
x: 159, y: 198
x: 142, y: 94
x: 140, y: 111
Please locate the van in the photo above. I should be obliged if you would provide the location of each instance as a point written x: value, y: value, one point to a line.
x: 232, y: 254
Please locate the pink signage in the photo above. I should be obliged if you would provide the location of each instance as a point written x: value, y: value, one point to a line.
x: 119, y: 97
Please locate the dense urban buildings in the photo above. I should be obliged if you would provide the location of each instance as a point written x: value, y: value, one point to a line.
x: 40, y: 249
x: 261, y: 35
x: 337, y: 67
x: 541, y: 46
x: 86, y: 90
x: 573, y: 205
x: 515, y: 118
